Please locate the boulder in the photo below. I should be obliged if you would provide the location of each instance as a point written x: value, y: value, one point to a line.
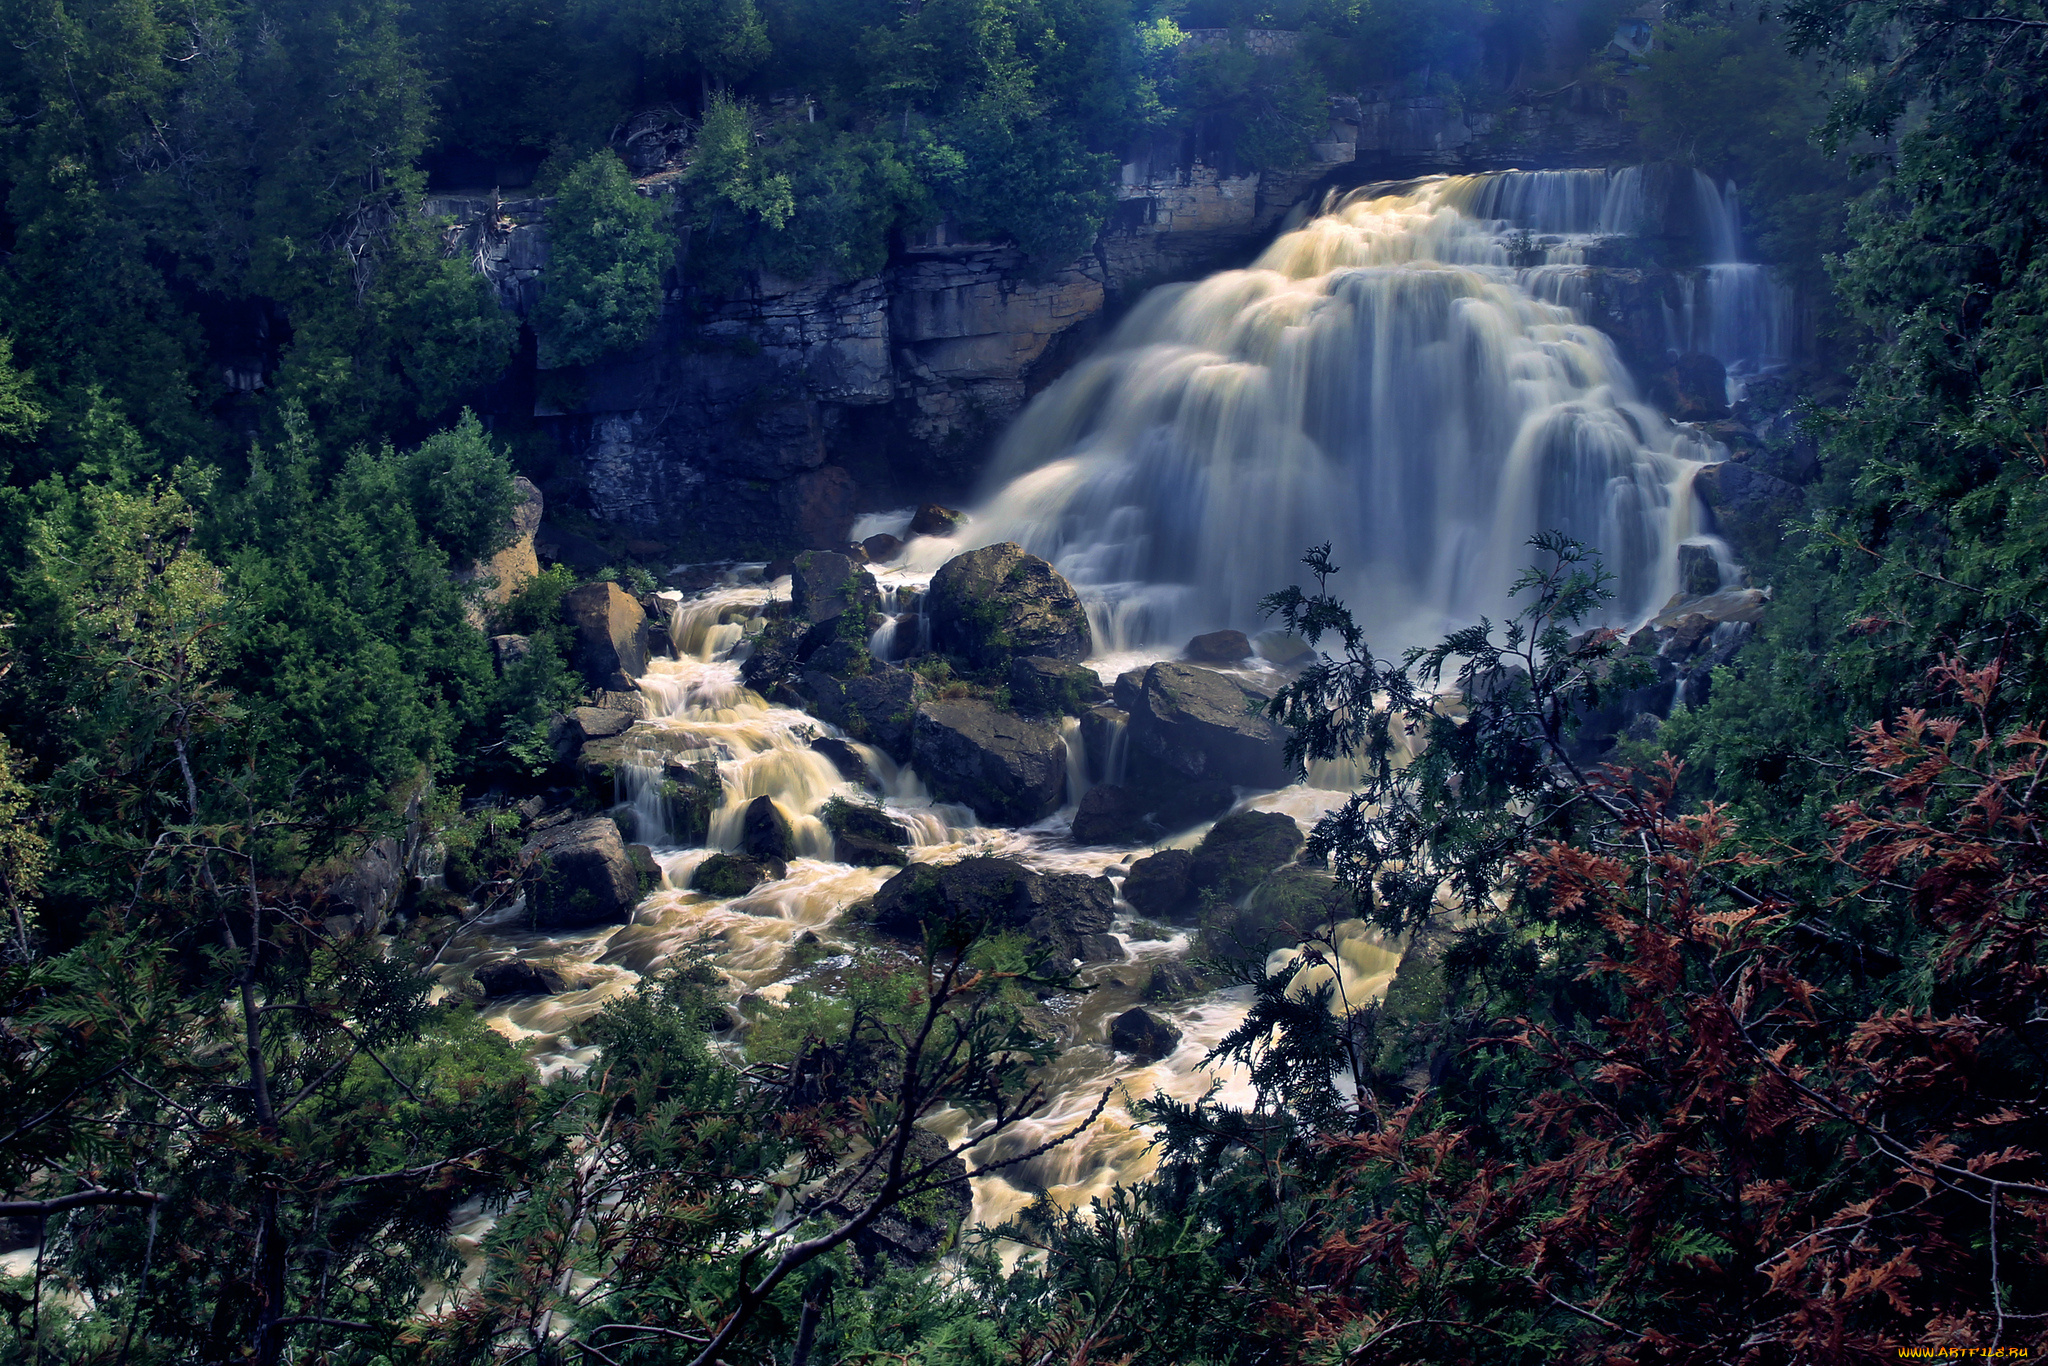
x: 1240, y: 851
x: 1053, y: 687
x: 645, y: 867
x: 882, y: 548
x: 933, y: 520
x: 511, y: 569
x: 876, y: 708
x: 580, y: 875
x: 600, y: 723
x: 765, y: 832
x: 1100, y: 948
x: 729, y: 875
x: 1178, y: 805
x: 1143, y: 1035
x: 1281, y: 650
x: 825, y: 583
x: 1172, y: 982
x: 1195, y: 723
x: 609, y: 638
x: 861, y: 852
x: 369, y: 891
x: 851, y: 764
x: 1104, y: 730
x: 993, y: 604
x: 1297, y: 900
x: 559, y: 545
x: 1056, y: 912
x: 1159, y: 887
x: 1218, y: 647
x: 1110, y: 815
x: 1699, y: 573
x: 1694, y: 388
x: 508, y: 650
x: 1749, y: 506
x: 866, y: 836
x: 514, y: 978
x: 1009, y: 770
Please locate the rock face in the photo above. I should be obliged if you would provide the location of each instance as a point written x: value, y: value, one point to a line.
x: 1009, y: 770
x: 1056, y: 911
x: 580, y: 876
x: 514, y: 978
x: 512, y: 568
x: 1143, y: 1035
x: 1241, y: 850
x: 992, y: 605
x: 609, y: 626
x: 1749, y: 506
x: 1195, y: 723
x: 369, y: 891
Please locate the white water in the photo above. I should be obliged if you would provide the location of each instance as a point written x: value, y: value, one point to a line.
x: 1385, y: 377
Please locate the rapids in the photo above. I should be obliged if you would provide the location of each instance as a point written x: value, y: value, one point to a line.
x: 1403, y: 374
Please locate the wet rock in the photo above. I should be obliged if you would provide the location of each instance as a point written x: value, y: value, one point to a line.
x: 644, y: 865
x: 1055, y: 911
x: 825, y: 583
x: 1694, y: 388
x: 1218, y: 647
x: 765, y: 833
x: 1194, y: 723
x: 729, y: 875
x: 609, y: 646
x: 991, y: 605
x: 1053, y: 687
x: 1240, y: 851
x: 848, y: 760
x: 1160, y: 887
x: 877, y: 708
x: 933, y: 520
x: 1295, y: 900
x: 1699, y: 573
x: 1281, y: 650
x: 1100, y: 948
x: 1750, y: 507
x: 881, y: 549
x: 1173, y: 982
x: 599, y: 723
x: 1104, y: 730
x: 1009, y: 770
x: 866, y: 836
x: 1110, y: 815
x: 515, y: 978
x: 1182, y: 804
x: 508, y: 650
x: 580, y: 875
x: 1143, y: 1035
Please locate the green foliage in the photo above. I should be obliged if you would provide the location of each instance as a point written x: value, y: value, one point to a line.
x: 607, y: 253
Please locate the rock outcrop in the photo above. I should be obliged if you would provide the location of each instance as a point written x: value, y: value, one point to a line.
x: 1750, y: 507
x: 512, y: 568
x: 1011, y: 771
x: 609, y: 630
x: 992, y: 605
x: 580, y: 875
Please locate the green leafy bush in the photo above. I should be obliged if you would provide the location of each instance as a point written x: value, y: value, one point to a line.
x: 607, y: 251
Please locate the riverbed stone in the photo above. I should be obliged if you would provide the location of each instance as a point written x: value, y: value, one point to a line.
x: 765, y: 832
x: 826, y: 583
x: 877, y: 708
x: 1191, y: 723
x: 730, y: 875
x: 1053, y: 687
x: 1241, y: 850
x: 599, y: 723
x: 609, y: 635
x: 1143, y: 1035
x: 1011, y: 771
x: 994, y: 604
x: 852, y: 765
x: 1159, y: 887
x: 932, y: 520
x: 514, y: 978
x: 1110, y: 814
x: 866, y: 836
x: 882, y: 548
x: 1218, y: 647
x: 1055, y: 912
x: 580, y: 875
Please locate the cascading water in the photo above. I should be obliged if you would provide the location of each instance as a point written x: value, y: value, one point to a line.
x: 1382, y: 378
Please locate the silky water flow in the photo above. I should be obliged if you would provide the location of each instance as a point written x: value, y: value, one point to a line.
x: 1405, y: 375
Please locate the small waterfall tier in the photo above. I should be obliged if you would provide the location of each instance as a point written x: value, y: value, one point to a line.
x: 1389, y: 377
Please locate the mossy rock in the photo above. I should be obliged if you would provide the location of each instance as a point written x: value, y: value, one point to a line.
x: 1241, y: 850
x: 729, y: 875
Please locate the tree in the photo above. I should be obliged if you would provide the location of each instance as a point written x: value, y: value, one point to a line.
x: 607, y: 253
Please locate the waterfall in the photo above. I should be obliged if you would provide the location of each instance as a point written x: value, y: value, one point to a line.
x: 1381, y: 378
